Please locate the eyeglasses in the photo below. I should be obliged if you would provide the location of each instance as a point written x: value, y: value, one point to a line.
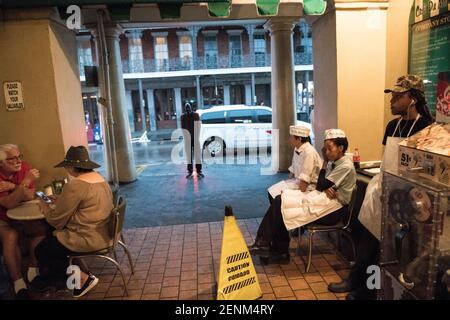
x: 16, y: 159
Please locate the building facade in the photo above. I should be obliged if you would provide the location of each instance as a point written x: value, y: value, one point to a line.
x: 203, y: 65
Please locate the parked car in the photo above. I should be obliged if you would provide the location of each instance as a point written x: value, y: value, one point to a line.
x: 237, y: 126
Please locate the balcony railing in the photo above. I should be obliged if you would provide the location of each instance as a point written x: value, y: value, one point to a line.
x: 221, y: 62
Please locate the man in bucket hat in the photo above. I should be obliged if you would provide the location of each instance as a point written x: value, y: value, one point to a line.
x: 80, y: 219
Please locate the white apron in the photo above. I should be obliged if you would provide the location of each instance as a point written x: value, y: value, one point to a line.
x: 299, y: 208
x: 370, y: 212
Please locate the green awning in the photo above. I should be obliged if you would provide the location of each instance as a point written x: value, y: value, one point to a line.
x: 314, y: 7
x: 169, y: 9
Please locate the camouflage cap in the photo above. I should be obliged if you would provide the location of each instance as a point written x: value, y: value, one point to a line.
x: 406, y: 83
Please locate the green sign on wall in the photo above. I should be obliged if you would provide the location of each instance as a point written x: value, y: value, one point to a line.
x: 430, y: 45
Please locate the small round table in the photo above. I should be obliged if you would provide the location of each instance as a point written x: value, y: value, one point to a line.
x: 28, y: 210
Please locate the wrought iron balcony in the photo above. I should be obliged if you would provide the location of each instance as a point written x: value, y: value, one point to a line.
x: 209, y: 62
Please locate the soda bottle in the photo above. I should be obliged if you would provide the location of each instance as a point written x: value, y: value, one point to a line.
x: 356, y: 158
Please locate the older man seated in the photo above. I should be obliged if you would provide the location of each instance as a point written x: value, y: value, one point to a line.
x: 16, y: 185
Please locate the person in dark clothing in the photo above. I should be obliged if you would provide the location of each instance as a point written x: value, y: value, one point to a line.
x: 337, y: 179
x: 190, y: 123
x: 408, y: 101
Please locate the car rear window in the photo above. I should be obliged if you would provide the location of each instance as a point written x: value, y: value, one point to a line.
x: 240, y: 116
x: 264, y: 116
x: 213, y: 117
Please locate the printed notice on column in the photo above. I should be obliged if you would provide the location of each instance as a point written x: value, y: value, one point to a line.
x: 430, y: 53
x: 13, y: 95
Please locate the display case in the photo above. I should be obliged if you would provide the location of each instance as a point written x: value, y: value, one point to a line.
x: 415, y: 240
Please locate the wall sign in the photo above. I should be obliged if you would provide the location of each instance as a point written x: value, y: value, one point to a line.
x: 13, y: 95
x: 429, y: 55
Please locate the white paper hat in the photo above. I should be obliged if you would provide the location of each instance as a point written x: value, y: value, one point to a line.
x: 299, y: 131
x: 334, y: 133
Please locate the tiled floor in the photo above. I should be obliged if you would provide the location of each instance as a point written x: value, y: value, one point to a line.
x: 182, y: 261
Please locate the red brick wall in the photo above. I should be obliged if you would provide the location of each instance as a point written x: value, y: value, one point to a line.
x: 245, y: 43
x: 172, y: 43
x: 222, y: 43
x: 147, y: 45
x: 200, y: 43
x: 123, y: 43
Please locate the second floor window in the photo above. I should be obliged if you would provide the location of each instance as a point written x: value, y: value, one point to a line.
x: 260, y: 50
x: 135, y: 55
x: 211, y: 52
x: 161, y: 53
x: 186, y: 52
x: 85, y: 58
x: 235, y: 51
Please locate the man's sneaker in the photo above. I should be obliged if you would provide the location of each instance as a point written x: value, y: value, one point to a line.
x: 189, y: 175
x: 90, y: 283
x: 340, y: 287
x: 201, y: 175
x: 22, y: 295
x: 41, y: 284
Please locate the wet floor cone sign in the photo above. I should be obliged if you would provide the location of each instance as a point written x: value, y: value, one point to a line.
x: 237, y: 275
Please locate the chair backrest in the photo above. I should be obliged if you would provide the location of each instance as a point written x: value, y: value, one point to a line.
x: 351, y: 207
x: 117, y: 219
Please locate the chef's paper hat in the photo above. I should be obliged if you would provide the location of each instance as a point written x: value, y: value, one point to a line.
x: 334, y: 133
x: 299, y: 131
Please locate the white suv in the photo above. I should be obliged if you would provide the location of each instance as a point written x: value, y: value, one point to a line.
x: 237, y: 126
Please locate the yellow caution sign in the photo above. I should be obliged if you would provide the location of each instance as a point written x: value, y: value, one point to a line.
x: 237, y: 276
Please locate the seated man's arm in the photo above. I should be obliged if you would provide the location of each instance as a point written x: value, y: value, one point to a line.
x: 323, y: 183
x: 13, y: 199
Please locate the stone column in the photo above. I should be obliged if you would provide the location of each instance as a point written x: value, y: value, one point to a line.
x: 199, y: 93
x: 226, y: 95
x: 342, y: 66
x: 123, y: 148
x: 283, y: 89
x: 253, y: 88
x: 248, y: 94
x: 142, y: 107
x: 130, y: 108
x: 178, y: 106
x: 151, y: 109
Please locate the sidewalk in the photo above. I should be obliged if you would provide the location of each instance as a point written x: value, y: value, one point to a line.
x: 181, y: 262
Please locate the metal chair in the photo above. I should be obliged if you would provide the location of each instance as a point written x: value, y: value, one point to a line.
x: 115, y: 229
x: 342, y: 227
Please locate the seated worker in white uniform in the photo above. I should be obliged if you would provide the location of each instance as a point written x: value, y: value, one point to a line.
x: 305, y: 167
x: 303, y: 172
x: 329, y: 201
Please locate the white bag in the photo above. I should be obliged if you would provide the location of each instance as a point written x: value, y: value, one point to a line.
x: 370, y: 212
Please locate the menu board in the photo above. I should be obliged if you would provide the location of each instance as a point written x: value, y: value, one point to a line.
x: 430, y: 53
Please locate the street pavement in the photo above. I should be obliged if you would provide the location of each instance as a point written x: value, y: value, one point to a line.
x: 163, y: 196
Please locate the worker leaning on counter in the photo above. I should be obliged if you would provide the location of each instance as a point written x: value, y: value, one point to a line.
x: 409, y: 103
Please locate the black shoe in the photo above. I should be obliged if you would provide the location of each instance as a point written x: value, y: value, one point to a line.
x: 340, y: 287
x: 90, y: 283
x: 41, y: 284
x: 22, y: 295
x: 189, y: 175
x: 201, y: 175
x: 283, y: 258
x: 259, y: 248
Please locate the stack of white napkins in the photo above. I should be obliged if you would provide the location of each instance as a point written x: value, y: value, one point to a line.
x: 299, y: 208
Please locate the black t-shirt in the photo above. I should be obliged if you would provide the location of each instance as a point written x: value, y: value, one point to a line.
x: 404, y: 126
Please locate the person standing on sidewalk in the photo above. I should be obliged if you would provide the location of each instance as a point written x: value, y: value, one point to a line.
x: 190, y: 123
